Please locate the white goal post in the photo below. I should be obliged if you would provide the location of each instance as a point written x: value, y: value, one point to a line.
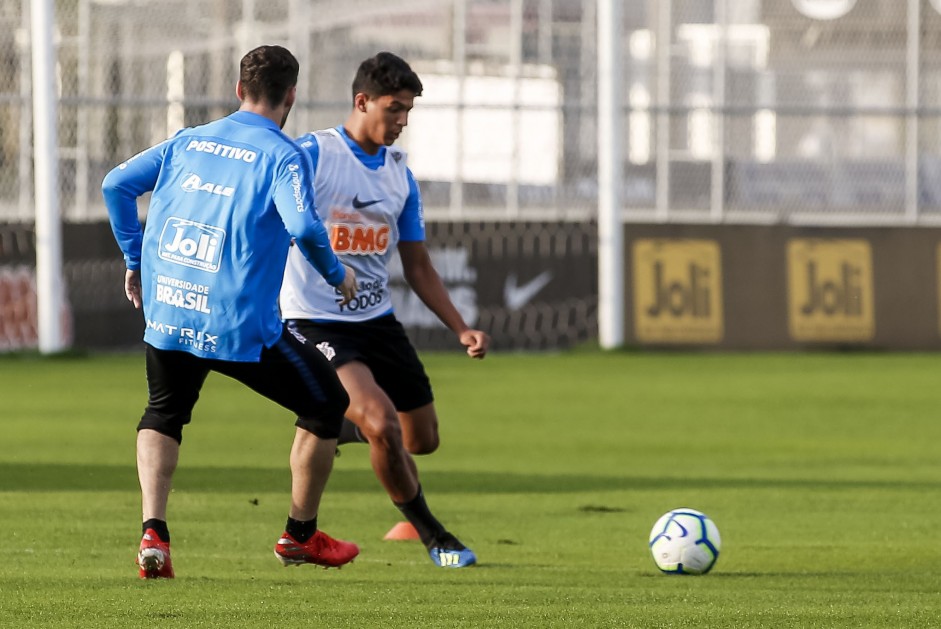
x: 49, y: 286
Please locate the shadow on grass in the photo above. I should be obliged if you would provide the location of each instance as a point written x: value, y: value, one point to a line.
x: 27, y: 477
x: 718, y: 573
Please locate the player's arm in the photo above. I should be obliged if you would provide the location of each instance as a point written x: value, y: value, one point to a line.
x: 423, y: 278
x: 121, y: 188
x: 294, y: 199
x: 421, y: 275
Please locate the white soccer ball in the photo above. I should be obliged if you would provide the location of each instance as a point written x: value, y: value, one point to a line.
x: 685, y: 541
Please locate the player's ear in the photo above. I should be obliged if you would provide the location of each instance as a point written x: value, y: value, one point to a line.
x: 238, y: 90
x: 359, y: 102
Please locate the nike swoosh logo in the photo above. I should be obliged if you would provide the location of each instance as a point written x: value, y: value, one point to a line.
x: 518, y: 296
x: 361, y: 204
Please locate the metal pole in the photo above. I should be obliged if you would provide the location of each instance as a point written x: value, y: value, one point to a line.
x: 717, y: 185
x: 49, y: 286
x: 912, y: 80
x: 610, y: 227
x: 83, y: 113
x: 516, y: 62
x: 545, y: 31
x: 546, y: 56
x: 663, y: 114
x: 247, y: 31
x: 176, y: 92
x: 25, y: 164
x: 299, y: 12
x: 459, y: 59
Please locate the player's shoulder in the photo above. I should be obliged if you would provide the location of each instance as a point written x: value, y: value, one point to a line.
x: 312, y: 141
x: 398, y: 156
x: 223, y: 131
x: 322, y: 139
x: 219, y: 126
x: 280, y: 145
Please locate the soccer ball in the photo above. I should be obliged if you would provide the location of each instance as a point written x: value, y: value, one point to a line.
x: 685, y: 541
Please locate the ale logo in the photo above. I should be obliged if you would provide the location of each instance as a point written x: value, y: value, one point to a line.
x: 677, y: 291
x: 830, y: 290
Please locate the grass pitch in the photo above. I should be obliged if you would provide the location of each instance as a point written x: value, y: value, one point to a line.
x: 821, y: 470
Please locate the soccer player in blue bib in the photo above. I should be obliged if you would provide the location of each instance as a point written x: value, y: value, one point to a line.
x: 228, y: 198
x: 371, y: 206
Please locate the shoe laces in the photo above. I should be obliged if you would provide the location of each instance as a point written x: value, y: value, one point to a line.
x: 325, y: 542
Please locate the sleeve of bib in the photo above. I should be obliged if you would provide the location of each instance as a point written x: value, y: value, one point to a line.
x: 412, y: 219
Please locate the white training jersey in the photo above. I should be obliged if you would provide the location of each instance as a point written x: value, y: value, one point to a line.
x: 360, y: 208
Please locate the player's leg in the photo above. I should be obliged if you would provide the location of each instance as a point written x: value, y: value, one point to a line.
x: 311, y: 465
x: 174, y: 380
x: 157, y: 456
x: 350, y: 433
x: 374, y: 414
x: 299, y: 378
x: 420, y: 432
x: 399, y: 372
x: 302, y: 541
x: 420, y: 429
x: 393, y: 380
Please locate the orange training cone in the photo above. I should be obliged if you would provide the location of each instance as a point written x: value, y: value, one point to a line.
x: 402, y: 531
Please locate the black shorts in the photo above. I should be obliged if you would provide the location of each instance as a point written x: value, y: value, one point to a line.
x: 382, y: 345
x: 291, y: 373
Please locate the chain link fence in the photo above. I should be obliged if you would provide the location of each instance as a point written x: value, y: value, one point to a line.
x: 767, y: 110
x: 734, y: 111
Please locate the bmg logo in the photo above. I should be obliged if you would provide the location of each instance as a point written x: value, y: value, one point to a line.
x: 191, y: 244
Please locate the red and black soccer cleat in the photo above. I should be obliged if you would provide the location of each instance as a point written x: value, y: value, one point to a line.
x: 154, y: 557
x: 321, y: 550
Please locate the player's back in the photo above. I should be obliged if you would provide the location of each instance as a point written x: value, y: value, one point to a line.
x: 214, y: 245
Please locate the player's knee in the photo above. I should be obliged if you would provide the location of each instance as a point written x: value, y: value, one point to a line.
x: 324, y: 418
x: 423, y: 443
x: 167, y: 425
x: 322, y: 426
x: 382, y: 429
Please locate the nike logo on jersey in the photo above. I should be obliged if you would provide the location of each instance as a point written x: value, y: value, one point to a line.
x: 518, y: 296
x: 361, y: 204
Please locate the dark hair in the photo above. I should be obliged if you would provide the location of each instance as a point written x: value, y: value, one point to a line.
x: 267, y: 73
x: 385, y: 74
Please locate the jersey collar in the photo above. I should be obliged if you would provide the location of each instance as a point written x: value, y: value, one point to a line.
x: 379, y: 157
x: 251, y: 118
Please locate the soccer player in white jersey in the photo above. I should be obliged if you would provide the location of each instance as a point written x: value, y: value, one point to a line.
x: 371, y: 206
x: 228, y: 197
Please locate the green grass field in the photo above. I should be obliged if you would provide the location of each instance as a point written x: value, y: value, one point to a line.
x: 822, y: 472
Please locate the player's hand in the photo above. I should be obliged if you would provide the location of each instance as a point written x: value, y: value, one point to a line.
x: 132, y: 288
x: 348, y: 287
x: 476, y: 342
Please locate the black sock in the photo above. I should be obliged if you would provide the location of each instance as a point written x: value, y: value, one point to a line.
x: 301, y: 531
x: 417, y: 512
x: 159, y: 527
x: 350, y: 433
